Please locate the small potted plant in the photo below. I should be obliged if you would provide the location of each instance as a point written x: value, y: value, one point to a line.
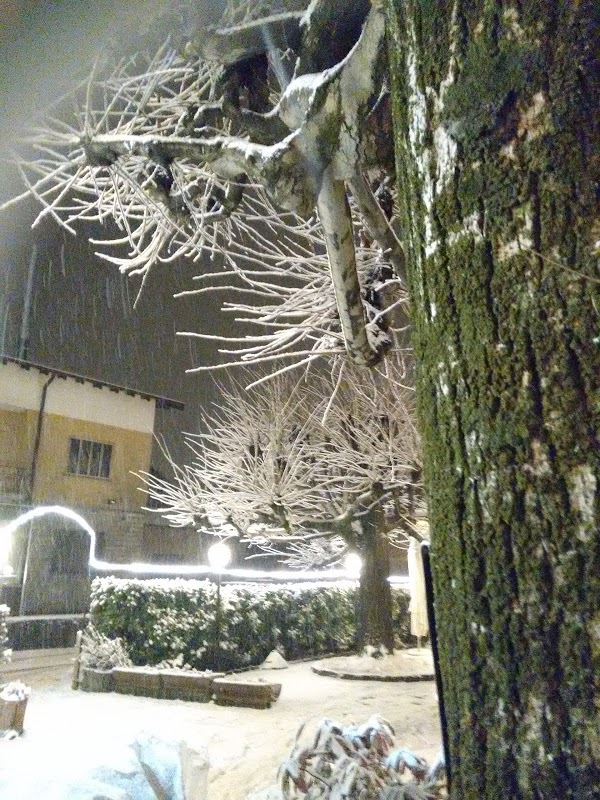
x: 13, y: 702
x: 13, y: 695
x: 99, y: 655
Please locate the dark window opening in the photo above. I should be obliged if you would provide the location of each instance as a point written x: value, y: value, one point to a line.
x: 89, y: 458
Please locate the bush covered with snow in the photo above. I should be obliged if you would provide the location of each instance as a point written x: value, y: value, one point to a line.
x: 357, y: 761
x: 5, y: 653
x: 102, y: 652
x: 180, y: 620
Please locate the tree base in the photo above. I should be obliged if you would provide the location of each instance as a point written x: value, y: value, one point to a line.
x: 413, y: 664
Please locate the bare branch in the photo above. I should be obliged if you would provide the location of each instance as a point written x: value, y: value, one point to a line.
x: 173, y: 153
x: 268, y: 464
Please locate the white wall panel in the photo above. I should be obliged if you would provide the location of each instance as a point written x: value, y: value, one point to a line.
x: 22, y: 389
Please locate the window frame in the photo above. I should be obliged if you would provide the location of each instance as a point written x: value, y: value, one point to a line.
x: 90, y: 453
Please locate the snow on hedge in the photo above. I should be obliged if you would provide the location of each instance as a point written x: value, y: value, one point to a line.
x: 175, y: 620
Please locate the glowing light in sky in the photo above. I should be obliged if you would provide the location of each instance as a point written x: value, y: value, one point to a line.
x: 7, y: 531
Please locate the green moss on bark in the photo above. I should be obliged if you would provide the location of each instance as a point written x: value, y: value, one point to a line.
x: 499, y: 232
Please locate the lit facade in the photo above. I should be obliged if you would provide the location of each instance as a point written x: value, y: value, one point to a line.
x: 78, y: 442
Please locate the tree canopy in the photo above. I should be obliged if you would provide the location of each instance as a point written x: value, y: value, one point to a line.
x: 292, y: 470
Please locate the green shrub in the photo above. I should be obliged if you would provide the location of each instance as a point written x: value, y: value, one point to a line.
x: 166, y: 620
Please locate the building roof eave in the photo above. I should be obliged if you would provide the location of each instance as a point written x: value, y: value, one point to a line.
x: 160, y: 400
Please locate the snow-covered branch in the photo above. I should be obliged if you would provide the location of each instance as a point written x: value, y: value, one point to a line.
x: 193, y: 158
x: 292, y: 466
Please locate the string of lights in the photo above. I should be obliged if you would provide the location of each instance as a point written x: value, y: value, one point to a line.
x: 350, y: 572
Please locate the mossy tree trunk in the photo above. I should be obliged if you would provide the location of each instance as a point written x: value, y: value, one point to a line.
x: 497, y: 135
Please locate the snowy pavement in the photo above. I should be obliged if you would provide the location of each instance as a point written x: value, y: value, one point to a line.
x: 70, y: 731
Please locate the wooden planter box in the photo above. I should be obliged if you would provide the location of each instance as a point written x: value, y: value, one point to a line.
x: 178, y: 684
x: 12, y: 714
x: 96, y: 680
x: 137, y: 680
x: 249, y: 694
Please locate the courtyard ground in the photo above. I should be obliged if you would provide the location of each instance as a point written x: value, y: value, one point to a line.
x: 69, y: 731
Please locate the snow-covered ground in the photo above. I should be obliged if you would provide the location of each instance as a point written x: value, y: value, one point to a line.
x: 67, y: 732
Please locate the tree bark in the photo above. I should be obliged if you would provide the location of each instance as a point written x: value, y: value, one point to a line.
x: 497, y: 141
x: 334, y: 213
x: 375, y: 625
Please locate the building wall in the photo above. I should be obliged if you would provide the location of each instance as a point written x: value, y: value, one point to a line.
x: 119, y: 533
x: 49, y: 556
x: 131, y: 452
x: 16, y: 447
x: 15, y: 444
x: 22, y: 389
x: 72, y: 408
x: 162, y: 544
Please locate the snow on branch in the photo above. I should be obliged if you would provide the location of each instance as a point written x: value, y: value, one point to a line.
x: 286, y: 293
x: 240, y: 12
x: 193, y: 158
x: 295, y: 470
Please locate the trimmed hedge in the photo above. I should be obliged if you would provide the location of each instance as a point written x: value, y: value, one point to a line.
x: 175, y: 621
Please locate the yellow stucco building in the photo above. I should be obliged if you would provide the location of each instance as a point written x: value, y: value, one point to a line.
x: 78, y: 442
x: 70, y: 440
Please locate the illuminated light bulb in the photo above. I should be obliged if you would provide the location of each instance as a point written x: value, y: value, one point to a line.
x: 353, y: 565
x: 219, y: 555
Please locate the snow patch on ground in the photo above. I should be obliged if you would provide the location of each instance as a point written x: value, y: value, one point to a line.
x: 67, y: 730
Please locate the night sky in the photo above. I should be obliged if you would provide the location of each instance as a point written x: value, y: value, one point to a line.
x: 81, y: 314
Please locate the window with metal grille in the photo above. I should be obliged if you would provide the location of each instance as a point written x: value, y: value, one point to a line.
x: 89, y: 458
